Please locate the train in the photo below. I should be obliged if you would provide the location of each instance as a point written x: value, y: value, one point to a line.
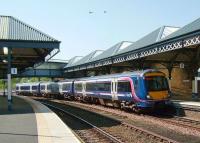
x: 138, y: 90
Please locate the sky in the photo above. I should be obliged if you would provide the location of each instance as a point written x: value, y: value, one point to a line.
x: 110, y: 22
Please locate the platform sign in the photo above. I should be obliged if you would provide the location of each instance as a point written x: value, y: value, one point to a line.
x: 182, y: 65
x: 13, y: 70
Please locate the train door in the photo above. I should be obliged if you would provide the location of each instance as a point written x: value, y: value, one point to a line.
x: 84, y: 88
x: 114, y: 89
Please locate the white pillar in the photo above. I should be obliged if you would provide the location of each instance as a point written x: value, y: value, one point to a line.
x: 9, y: 87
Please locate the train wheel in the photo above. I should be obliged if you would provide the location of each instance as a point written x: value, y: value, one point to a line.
x: 137, y: 110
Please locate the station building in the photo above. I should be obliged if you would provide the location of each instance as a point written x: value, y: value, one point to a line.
x: 170, y: 49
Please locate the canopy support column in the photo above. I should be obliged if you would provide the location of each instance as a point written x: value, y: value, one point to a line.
x: 9, y: 81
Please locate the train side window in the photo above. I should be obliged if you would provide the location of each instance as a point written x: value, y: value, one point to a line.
x: 103, y: 86
x: 66, y: 86
x: 124, y: 86
x: 90, y: 86
x: 25, y: 87
x: 49, y: 87
x: 78, y: 86
x: 34, y: 87
x: 42, y: 87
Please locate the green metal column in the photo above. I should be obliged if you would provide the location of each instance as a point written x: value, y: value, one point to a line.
x: 9, y: 81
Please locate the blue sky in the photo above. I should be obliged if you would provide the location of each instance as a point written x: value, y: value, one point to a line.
x: 81, y: 33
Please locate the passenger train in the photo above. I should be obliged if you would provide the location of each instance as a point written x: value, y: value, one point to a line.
x: 136, y: 90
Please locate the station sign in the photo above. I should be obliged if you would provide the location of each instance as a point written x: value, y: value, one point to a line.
x: 13, y: 70
x: 182, y: 65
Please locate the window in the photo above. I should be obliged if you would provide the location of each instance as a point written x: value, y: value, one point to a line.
x: 25, y: 87
x: 54, y: 87
x: 42, y: 87
x: 49, y: 87
x: 90, y: 86
x: 17, y: 87
x: 34, y: 87
x: 66, y: 86
x: 156, y: 83
x: 124, y: 86
x: 78, y: 86
x: 103, y: 86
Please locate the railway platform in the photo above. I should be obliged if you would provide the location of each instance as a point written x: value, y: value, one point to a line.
x: 187, y: 104
x: 30, y: 121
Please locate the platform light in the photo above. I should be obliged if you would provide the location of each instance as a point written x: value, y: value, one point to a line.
x: 5, y: 50
x: 4, y: 61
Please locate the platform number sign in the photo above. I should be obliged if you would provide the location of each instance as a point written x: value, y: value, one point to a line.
x: 13, y: 70
x: 182, y: 65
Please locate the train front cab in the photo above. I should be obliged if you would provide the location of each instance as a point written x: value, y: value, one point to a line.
x: 153, y: 90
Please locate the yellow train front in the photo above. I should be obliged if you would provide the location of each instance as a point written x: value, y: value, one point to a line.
x: 152, y: 89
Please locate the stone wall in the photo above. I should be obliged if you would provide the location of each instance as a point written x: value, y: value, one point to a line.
x: 181, y: 83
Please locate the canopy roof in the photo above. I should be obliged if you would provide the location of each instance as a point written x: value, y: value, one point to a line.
x: 29, y: 45
x: 73, y: 60
x: 151, y: 38
x: 161, y: 40
x: 88, y: 58
x: 113, y: 50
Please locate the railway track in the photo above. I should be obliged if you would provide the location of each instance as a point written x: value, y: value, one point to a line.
x: 175, y: 120
x: 184, y: 122
x: 112, y: 136
x: 189, y: 108
x: 89, y: 133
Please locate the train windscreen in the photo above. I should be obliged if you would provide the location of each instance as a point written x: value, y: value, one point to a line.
x: 156, y: 83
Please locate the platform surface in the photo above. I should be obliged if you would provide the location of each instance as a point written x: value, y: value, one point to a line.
x: 31, y: 122
x: 181, y: 103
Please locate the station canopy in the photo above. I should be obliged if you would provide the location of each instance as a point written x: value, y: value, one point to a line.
x: 84, y: 60
x: 166, y: 44
x: 72, y: 61
x: 29, y: 45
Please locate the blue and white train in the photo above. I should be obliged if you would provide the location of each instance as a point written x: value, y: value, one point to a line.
x: 135, y: 90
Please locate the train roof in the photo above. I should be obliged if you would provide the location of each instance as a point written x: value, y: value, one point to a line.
x: 48, y: 82
x: 126, y: 74
x: 28, y: 83
x: 66, y: 80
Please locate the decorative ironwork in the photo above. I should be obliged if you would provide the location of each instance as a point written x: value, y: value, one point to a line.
x: 108, y: 62
x: 191, y: 41
x: 70, y: 70
x: 98, y: 64
x: 118, y: 60
x: 82, y: 67
x: 169, y: 47
x: 90, y: 66
x: 132, y: 57
x: 76, y: 69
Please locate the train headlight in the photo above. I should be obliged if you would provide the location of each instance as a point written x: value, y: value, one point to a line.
x: 148, y: 97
